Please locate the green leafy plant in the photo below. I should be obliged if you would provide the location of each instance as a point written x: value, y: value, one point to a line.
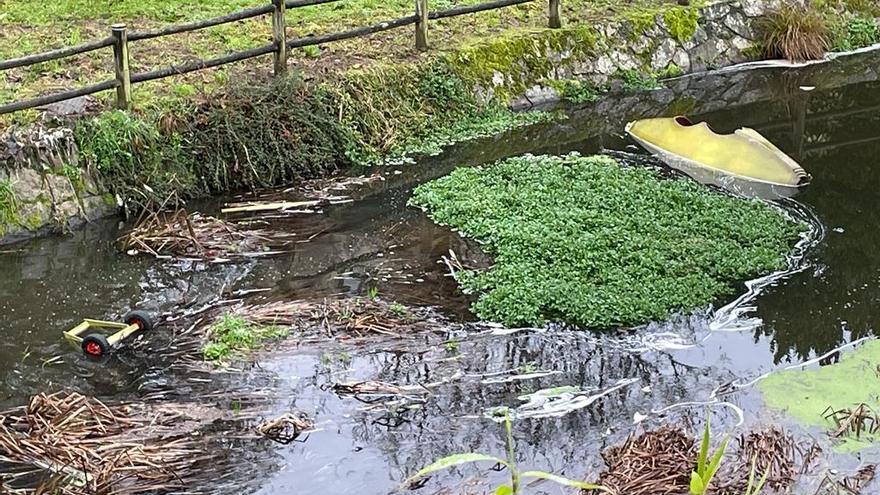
x: 233, y: 335
x: 702, y: 477
x: 8, y: 203
x: 755, y: 486
x: 587, y: 241
x: 633, y: 80
x: 516, y: 476
x: 372, y: 293
x: 577, y: 91
x: 793, y: 31
x: 857, y: 33
x: 398, y: 309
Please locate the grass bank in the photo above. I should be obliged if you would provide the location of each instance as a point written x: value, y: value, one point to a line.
x: 27, y: 27
x: 584, y: 240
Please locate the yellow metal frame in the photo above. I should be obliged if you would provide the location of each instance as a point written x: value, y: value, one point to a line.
x: 74, y: 335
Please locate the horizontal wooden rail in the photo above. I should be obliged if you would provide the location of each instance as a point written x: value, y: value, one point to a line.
x: 224, y: 19
x: 354, y: 33
x: 470, y: 9
x: 202, y: 64
x: 54, y: 98
x: 121, y: 37
x: 195, y: 25
x: 56, y: 54
x: 292, y: 4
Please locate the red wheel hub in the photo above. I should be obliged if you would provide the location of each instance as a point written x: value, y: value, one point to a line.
x: 139, y: 323
x: 93, y: 349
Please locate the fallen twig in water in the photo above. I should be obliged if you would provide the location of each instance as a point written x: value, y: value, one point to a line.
x: 285, y: 428
x: 198, y: 236
x: 857, y: 420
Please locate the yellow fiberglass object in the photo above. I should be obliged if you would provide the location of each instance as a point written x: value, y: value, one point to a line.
x: 742, y: 160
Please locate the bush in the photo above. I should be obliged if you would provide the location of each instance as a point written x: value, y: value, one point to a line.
x: 588, y: 242
x: 133, y: 159
x: 266, y: 134
x: 857, y: 33
x: 795, y: 32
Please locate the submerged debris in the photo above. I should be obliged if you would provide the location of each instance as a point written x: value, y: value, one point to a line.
x: 349, y: 317
x: 77, y: 445
x: 657, y: 462
x: 774, y: 452
x: 848, y: 485
x: 860, y: 419
x: 197, y: 236
x: 286, y: 428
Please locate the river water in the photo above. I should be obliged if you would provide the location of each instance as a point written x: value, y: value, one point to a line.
x: 825, y: 116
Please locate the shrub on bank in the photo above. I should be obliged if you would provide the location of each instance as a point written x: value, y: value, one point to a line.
x: 583, y: 240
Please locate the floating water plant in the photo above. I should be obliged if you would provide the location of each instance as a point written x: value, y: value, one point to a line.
x: 841, y: 397
x: 586, y: 241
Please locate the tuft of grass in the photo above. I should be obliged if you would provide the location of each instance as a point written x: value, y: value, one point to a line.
x: 585, y: 241
x: 233, y: 335
x: 795, y: 32
x: 8, y: 204
x: 633, y: 80
x: 578, y: 92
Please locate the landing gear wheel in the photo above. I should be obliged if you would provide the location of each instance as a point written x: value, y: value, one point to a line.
x: 95, y: 345
x: 139, y: 318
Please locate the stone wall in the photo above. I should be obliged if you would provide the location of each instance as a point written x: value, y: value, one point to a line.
x: 42, y: 188
x: 657, y: 45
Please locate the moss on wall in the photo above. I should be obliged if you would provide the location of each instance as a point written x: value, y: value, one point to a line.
x: 682, y: 22
x: 512, y: 63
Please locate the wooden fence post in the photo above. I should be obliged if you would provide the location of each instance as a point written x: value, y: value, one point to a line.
x: 422, y: 25
x: 279, y: 37
x: 555, y: 19
x: 120, y: 60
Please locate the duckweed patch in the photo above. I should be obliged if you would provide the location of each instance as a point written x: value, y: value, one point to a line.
x: 807, y: 395
x: 233, y: 335
x: 584, y: 240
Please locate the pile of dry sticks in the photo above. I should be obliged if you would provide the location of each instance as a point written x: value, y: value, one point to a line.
x: 331, y: 317
x: 198, y: 236
x: 71, y: 444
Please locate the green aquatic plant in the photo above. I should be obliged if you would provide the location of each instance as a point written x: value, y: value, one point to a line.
x: 233, y: 335
x: 754, y: 485
x: 707, y: 466
x: 587, y: 241
x: 807, y: 394
x: 516, y: 476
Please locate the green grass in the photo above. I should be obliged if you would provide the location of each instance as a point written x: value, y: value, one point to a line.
x: 232, y: 336
x: 31, y: 27
x: 585, y: 241
x: 8, y: 205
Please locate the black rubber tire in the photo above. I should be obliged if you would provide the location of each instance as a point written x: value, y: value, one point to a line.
x: 142, y: 319
x: 95, y: 345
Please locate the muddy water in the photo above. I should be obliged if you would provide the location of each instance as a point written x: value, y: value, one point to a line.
x: 367, y: 445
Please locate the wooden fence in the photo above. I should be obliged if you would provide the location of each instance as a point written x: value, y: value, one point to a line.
x: 120, y: 38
